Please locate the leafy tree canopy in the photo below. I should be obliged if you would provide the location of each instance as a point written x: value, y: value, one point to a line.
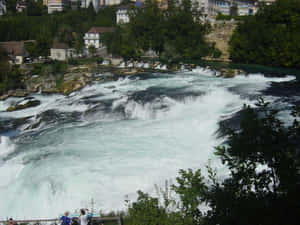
x: 263, y: 158
x: 271, y: 37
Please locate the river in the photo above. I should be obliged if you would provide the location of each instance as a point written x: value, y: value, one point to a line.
x: 111, y: 139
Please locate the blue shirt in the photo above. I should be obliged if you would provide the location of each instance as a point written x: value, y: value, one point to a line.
x: 65, y: 220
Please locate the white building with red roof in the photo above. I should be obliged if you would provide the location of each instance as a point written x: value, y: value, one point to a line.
x: 94, y: 36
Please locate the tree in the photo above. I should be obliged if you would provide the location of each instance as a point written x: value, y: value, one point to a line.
x: 65, y: 34
x: 191, y: 190
x: 4, y: 65
x: 10, y: 77
x: 264, y: 160
x: 34, y: 8
x: 178, y: 29
x: 234, y: 10
x: 148, y: 210
x: 91, y: 9
x: 78, y: 44
x: 11, y: 6
x: 271, y: 37
x: 92, y: 50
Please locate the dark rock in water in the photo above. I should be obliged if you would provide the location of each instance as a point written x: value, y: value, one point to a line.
x: 51, y: 117
x: 12, y: 123
x: 110, y: 87
x: 230, y: 73
x: 233, y: 123
x: 157, y: 92
x: 28, y: 98
x: 28, y: 104
x: 283, y: 89
x: 229, y: 123
x: 288, y: 91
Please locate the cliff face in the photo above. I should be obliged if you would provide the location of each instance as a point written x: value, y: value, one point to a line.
x: 221, y: 34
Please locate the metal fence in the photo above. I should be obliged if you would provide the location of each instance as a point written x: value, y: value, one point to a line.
x: 95, y: 221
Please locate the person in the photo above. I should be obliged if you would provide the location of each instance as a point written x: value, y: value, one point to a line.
x: 83, y: 217
x: 65, y: 220
x: 11, y: 222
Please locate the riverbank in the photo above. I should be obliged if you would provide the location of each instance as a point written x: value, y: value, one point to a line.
x: 71, y: 77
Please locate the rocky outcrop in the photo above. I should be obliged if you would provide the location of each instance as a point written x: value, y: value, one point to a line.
x: 230, y: 73
x: 220, y: 35
x: 23, y: 105
x: 14, y: 93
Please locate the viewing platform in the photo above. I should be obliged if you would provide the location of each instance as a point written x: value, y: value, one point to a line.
x: 95, y: 221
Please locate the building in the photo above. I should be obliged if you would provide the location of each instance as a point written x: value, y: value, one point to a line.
x: 244, y: 7
x: 57, y: 5
x: 109, y: 2
x: 61, y: 52
x: 74, y: 4
x: 267, y: 2
x: 21, y: 5
x: 122, y: 15
x: 86, y: 4
x: 2, y: 7
x: 15, y: 50
x: 94, y: 36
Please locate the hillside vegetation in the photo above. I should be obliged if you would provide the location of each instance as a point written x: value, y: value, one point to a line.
x: 262, y: 187
x: 271, y: 37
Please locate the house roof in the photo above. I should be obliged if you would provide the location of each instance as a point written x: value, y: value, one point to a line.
x: 126, y: 6
x: 60, y: 46
x: 99, y: 30
x: 15, y: 48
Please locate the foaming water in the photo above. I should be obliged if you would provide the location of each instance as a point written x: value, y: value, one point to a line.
x: 114, y: 138
x: 6, y: 146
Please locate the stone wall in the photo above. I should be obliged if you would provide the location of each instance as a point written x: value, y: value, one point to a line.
x: 221, y: 34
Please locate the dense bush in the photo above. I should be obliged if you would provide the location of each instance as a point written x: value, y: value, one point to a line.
x: 10, y: 76
x: 271, y: 37
x: 263, y: 158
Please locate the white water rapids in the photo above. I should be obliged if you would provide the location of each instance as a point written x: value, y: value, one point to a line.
x: 111, y: 139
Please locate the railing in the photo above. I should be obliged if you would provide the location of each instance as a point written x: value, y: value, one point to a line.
x: 54, y: 221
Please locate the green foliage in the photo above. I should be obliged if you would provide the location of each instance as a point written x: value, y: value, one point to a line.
x: 73, y: 62
x: 234, y: 10
x: 148, y: 210
x: 170, y: 55
x: 216, y: 53
x: 191, y: 190
x: 10, y: 76
x: 60, y: 82
x: 271, y: 37
x: 264, y: 161
x: 37, y: 68
x: 220, y: 16
x: 35, y: 8
x: 122, y: 43
x: 11, y: 6
x: 58, y: 66
x: 68, y: 27
x: 263, y: 158
x: 92, y: 49
x: 145, y: 211
x: 53, y: 67
x: 177, y: 30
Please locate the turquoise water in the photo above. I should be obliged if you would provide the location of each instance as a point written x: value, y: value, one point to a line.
x: 109, y: 140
